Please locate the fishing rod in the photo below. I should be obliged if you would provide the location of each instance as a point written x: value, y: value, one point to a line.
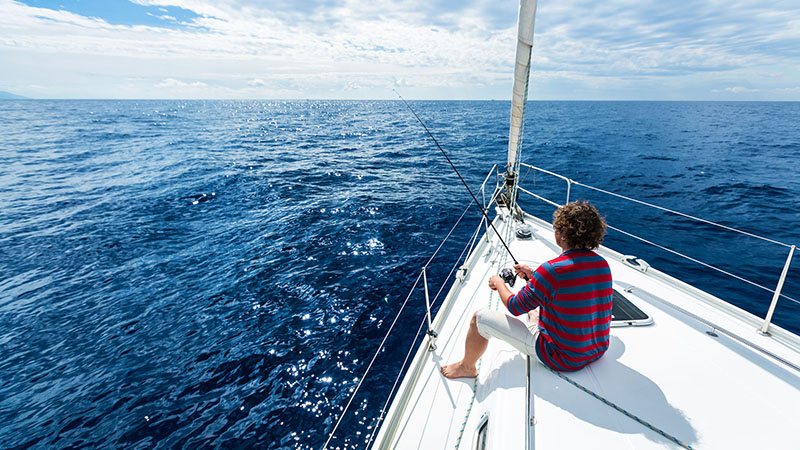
x: 459, y: 177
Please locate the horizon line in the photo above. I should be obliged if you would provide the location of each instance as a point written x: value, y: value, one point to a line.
x: 20, y: 98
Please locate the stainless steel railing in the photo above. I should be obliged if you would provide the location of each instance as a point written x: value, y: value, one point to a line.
x: 764, y: 329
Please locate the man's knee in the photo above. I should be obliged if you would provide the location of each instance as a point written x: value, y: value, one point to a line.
x: 480, y: 316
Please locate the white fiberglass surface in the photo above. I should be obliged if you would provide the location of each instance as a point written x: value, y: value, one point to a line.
x: 706, y: 391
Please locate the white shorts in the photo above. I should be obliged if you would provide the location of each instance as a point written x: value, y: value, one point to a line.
x: 521, y: 335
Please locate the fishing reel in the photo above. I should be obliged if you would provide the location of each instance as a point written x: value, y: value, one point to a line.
x: 508, y: 276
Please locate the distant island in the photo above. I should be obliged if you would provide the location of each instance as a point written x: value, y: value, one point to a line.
x: 9, y: 96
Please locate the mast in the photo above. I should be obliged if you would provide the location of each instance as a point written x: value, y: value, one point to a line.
x: 519, y: 96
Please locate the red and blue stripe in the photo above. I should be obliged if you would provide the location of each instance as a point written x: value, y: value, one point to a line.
x: 574, y: 292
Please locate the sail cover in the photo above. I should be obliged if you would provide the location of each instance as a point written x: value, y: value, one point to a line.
x: 522, y: 68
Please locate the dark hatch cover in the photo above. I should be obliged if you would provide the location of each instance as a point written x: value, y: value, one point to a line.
x: 625, y: 311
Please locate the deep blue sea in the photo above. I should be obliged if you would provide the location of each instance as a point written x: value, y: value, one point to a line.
x: 218, y: 274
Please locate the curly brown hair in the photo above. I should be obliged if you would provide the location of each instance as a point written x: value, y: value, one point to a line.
x: 579, y: 225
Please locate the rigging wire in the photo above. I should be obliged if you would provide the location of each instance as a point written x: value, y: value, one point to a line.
x: 676, y: 212
x: 448, y: 235
x: 667, y: 249
x: 411, y: 348
x: 380, y: 346
x: 459, y: 175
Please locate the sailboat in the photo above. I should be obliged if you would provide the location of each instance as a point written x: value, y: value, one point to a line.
x: 684, y: 369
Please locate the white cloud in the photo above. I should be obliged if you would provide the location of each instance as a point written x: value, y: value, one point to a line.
x: 736, y: 90
x: 638, y: 49
x: 173, y: 83
x: 740, y: 90
x: 401, y: 82
x: 163, y: 16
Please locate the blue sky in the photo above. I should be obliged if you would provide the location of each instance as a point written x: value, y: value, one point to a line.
x: 612, y: 50
x: 120, y: 12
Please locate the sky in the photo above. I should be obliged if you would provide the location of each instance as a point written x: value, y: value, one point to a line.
x: 425, y: 49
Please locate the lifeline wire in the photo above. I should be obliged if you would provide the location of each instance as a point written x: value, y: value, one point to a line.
x: 413, y: 288
x: 415, y: 378
x: 457, y: 173
x: 335, y: 427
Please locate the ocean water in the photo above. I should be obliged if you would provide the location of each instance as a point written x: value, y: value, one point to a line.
x: 214, y: 274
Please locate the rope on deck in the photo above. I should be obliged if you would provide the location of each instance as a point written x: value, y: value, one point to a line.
x: 492, y: 305
x: 469, y: 409
x: 622, y: 410
x: 495, y: 306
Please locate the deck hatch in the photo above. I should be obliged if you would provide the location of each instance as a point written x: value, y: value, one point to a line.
x: 625, y: 313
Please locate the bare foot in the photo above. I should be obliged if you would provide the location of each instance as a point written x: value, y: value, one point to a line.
x: 459, y: 370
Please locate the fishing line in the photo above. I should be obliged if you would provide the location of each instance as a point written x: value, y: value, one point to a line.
x: 459, y: 176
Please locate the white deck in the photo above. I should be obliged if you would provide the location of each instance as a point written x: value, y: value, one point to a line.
x: 709, y: 392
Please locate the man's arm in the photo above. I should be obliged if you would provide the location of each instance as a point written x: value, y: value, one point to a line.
x: 497, y: 284
x: 537, y: 292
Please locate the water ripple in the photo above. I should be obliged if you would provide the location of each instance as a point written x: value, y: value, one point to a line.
x: 218, y: 274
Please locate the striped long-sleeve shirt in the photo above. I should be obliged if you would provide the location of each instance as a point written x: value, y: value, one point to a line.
x: 574, y: 292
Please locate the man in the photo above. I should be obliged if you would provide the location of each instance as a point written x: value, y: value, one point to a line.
x: 572, y: 293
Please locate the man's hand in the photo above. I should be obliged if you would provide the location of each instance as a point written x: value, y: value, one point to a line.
x: 495, y: 282
x: 523, y: 271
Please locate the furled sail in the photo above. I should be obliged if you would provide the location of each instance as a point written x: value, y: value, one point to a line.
x: 522, y: 69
